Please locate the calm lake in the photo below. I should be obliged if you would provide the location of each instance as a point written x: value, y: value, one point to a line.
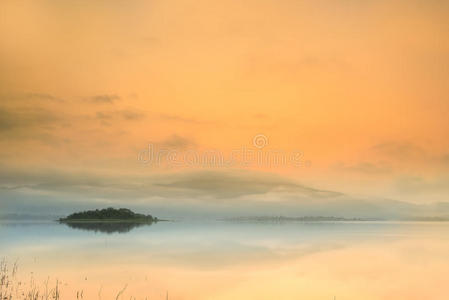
x: 233, y: 260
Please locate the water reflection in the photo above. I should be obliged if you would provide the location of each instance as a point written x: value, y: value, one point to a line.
x: 105, y: 227
x: 226, y: 260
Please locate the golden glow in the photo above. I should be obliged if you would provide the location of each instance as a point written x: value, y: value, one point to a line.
x: 334, y: 80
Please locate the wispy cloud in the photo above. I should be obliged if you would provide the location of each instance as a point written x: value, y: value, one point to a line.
x: 221, y: 185
x: 42, y: 96
x: 198, y: 184
x: 181, y: 119
x: 106, y: 98
x: 33, y: 97
x: 367, y: 168
x: 176, y: 142
x: 399, y: 150
x: 124, y: 115
x: 413, y: 185
x: 24, y: 118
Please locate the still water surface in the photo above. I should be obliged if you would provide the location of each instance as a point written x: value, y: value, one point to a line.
x: 235, y: 260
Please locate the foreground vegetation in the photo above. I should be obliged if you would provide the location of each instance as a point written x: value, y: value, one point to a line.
x: 12, y: 288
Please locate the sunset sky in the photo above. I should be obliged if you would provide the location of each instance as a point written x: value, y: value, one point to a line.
x: 359, y: 88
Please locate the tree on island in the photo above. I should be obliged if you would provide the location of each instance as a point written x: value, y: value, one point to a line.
x: 109, y: 214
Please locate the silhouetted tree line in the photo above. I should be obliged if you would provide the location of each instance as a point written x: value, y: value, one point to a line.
x: 109, y: 213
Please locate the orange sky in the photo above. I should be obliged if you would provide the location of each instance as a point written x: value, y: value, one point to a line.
x: 360, y: 87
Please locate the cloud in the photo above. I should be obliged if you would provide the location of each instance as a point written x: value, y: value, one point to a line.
x: 400, y: 150
x: 176, y: 142
x: 213, y: 193
x: 34, y: 98
x: 41, y: 96
x: 176, y: 118
x: 111, y: 98
x: 24, y: 118
x: 367, y: 168
x: 444, y: 159
x: 412, y: 185
x: 185, y: 185
x: 236, y: 184
x: 127, y: 115
x: 39, y: 125
x: 131, y: 115
x: 32, y: 116
x: 408, y: 154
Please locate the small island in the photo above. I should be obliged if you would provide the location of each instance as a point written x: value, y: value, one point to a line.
x: 109, y: 215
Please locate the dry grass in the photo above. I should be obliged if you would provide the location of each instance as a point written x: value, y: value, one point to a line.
x: 11, y: 288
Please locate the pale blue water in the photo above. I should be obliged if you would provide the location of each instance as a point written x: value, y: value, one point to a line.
x: 187, y: 251
x: 220, y: 237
